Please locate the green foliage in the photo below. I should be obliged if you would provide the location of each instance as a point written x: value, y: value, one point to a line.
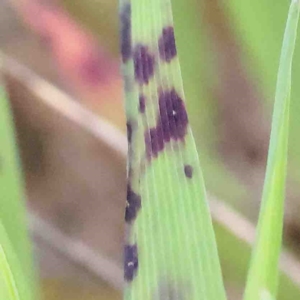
x: 235, y: 254
x: 259, y: 27
x: 162, y: 205
x: 263, y: 273
x: 17, y: 275
x: 171, y: 235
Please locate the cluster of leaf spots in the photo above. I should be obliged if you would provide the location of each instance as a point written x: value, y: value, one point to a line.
x: 144, y: 60
x: 171, y: 119
x: 130, y: 262
x: 172, y: 123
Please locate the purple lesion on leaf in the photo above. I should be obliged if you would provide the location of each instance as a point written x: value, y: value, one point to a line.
x: 125, y: 17
x: 175, y: 118
x: 142, y: 103
x: 144, y: 63
x: 133, y: 205
x: 173, y: 115
x: 129, y: 131
x: 172, y: 123
x: 130, y: 262
x: 167, y: 45
x: 188, y: 171
x: 154, y: 141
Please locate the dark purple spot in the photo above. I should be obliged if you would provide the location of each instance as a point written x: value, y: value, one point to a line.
x: 142, y: 103
x: 166, y: 44
x: 154, y: 141
x: 188, y: 171
x: 173, y: 116
x: 130, y: 262
x: 129, y: 132
x: 133, y: 205
x: 126, y: 32
x: 172, y: 123
x: 143, y: 64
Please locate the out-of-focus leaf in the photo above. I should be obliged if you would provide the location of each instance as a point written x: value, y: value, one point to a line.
x: 235, y: 267
x: 259, y: 27
x: 263, y: 272
x: 101, y: 17
x: 14, y: 240
x: 56, y: 289
x: 14, y: 284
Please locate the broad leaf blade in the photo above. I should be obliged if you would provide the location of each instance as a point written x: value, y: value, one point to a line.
x: 263, y: 273
x: 12, y: 213
x: 171, y: 251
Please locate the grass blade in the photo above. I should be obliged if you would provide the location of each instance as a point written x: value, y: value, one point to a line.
x: 14, y: 241
x: 263, y: 273
x: 171, y: 251
x: 14, y: 284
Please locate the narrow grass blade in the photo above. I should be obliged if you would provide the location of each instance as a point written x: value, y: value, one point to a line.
x: 233, y: 232
x: 263, y: 273
x: 13, y: 232
x: 259, y: 26
x: 171, y: 251
x: 14, y: 283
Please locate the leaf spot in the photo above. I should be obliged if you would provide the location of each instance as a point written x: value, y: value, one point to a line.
x: 129, y: 132
x: 188, y: 171
x: 173, y: 115
x: 166, y: 44
x: 125, y: 17
x: 130, y: 262
x: 142, y: 103
x: 143, y: 64
x: 133, y: 205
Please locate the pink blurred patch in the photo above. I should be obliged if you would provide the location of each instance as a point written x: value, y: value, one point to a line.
x: 85, y: 67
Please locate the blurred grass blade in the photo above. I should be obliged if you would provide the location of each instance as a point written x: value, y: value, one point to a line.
x: 263, y: 273
x: 13, y: 232
x: 8, y: 289
x: 171, y: 251
x: 266, y: 296
x: 13, y: 282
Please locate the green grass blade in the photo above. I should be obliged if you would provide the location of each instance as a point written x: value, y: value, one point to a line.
x: 171, y: 251
x: 14, y: 283
x: 231, y: 238
x: 259, y: 27
x: 263, y: 273
x: 13, y: 236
